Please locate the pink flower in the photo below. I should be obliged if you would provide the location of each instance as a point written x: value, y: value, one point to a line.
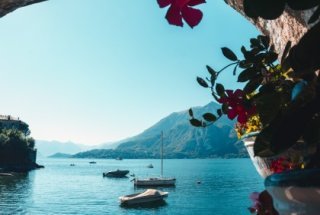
x: 182, y: 9
x: 235, y: 101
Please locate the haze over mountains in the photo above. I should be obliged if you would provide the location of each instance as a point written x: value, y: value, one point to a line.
x: 46, y: 148
x: 181, y: 140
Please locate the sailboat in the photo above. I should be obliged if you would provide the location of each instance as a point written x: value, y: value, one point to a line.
x: 156, y: 181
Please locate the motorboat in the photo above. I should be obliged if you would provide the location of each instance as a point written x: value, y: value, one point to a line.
x: 148, y: 196
x: 150, y: 166
x: 92, y: 162
x: 116, y: 174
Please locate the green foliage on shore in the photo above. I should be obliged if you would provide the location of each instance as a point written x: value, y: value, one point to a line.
x: 15, y: 146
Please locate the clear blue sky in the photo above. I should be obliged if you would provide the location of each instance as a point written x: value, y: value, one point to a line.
x: 98, y: 71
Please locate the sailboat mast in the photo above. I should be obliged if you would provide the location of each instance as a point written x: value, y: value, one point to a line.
x: 161, y: 154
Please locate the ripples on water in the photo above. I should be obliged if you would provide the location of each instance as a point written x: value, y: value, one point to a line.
x: 81, y: 189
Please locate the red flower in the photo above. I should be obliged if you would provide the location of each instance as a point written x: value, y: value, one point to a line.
x: 235, y: 101
x: 182, y: 9
x: 281, y: 164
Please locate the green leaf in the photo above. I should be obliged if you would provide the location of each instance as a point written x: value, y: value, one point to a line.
x: 209, y: 117
x: 219, y: 112
x: 215, y: 97
x: 271, y: 57
x: 267, y: 88
x: 229, y: 54
x: 255, y: 43
x: 252, y: 85
x: 202, y: 82
x: 243, y: 50
x: 265, y: 40
x: 247, y: 74
x: 220, y: 90
x: 195, y: 122
x: 235, y: 69
x: 211, y: 71
x: 286, y: 51
x: 190, y: 112
x: 249, y: 56
x: 258, y: 59
x: 225, y: 109
x: 244, y: 64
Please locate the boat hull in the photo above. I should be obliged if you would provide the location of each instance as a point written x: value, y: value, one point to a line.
x: 155, y: 182
x: 116, y: 174
x: 138, y: 198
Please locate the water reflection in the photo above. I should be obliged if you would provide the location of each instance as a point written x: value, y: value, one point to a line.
x: 15, y: 193
x: 162, y: 188
x: 148, y: 205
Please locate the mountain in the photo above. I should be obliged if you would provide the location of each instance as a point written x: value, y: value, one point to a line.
x: 47, y: 148
x: 60, y: 155
x: 181, y: 140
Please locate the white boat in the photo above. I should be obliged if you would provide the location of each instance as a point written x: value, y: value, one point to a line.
x: 148, y: 196
x: 156, y: 181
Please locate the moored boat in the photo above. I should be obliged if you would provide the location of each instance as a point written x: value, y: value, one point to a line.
x: 116, y: 174
x: 150, y: 166
x: 155, y: 181
x: 148, y: 196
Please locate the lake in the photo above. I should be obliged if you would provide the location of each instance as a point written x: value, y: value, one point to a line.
x: 63, y: 189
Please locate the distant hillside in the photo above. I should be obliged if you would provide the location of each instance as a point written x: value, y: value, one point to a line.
x: 47, y: 148
x: 60, y: 155
x: 181, y: 140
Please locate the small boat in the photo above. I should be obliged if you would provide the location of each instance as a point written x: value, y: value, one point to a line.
x: 92, y: 162
x: 116, y: 174
x: 72, y: 164
x: 150, y: 166
x: 156, y: 181
x: 148, y: 196
x: 119, y: 158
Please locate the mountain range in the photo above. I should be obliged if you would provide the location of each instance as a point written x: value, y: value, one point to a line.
x: 181, y: 139
x: 47, y: 148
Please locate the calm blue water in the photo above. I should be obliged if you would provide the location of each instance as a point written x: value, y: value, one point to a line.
x: 63, y: 189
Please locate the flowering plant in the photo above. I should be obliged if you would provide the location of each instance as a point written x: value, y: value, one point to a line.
x: 275, y: 100
x: 280, y: 99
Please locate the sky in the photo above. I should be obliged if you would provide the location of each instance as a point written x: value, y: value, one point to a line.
x: 100, y: 71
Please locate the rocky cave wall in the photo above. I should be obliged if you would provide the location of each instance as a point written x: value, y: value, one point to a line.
x: 291, y: 25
